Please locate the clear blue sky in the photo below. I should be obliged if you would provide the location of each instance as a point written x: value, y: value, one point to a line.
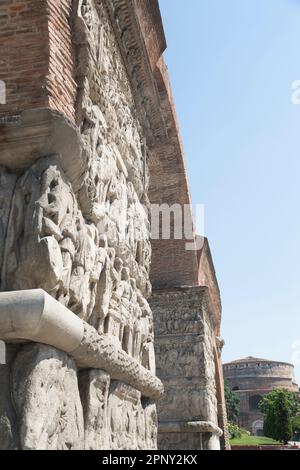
x: 232, y: 64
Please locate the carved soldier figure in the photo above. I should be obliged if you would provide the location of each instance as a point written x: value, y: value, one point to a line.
x: 84, y: 261
x: 119, y: 301
x: 100, y: 286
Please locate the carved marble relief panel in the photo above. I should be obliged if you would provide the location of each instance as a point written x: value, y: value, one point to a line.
x: 185, y: 363
x: 89, y: 249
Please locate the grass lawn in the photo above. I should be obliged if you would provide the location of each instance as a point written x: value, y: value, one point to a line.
x: 253, y: 441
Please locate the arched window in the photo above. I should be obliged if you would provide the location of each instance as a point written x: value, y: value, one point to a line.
x: 254, y: 402
x: 258, y: 428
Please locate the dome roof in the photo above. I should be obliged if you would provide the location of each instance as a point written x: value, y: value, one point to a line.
x: 251, y: 359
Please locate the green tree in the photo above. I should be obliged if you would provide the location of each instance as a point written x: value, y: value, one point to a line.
x: 232, y: 403
x: 279, y: 407
x: 296, y: 427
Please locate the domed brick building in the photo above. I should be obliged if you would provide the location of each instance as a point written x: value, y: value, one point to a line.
x: 251, y: 378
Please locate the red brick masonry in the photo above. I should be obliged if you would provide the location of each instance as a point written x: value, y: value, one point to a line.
x: 36, y: 60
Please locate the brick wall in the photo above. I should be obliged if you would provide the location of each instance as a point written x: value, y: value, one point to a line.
x: 149, y: 18
x: 35, y: 56
x: 61, y: 84
x: 24, y: 52
x: 172, y: 264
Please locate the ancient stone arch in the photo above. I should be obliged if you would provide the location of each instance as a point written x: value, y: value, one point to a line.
x: 88, y: 141
x: 257, y: 427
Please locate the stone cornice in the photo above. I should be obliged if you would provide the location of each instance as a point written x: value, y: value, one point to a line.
x: 181, y: 290
x: 36, y: 133
x: 33, y: 315
x: 190, y: 427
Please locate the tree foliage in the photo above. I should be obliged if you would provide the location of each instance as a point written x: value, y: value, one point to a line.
x: 296, y: 427
x: 236, y: 432
x: 232, y: 403
x: 279, y: 408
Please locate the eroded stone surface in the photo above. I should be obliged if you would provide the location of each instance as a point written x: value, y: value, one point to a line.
x: 9, y: 434
x: 133, y: 425
x: 101, y: 351
x: 46, y: 398
x: 94, y: 391
x: 186, y: 364
x: 83, y: 237
x: 74, y: 210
